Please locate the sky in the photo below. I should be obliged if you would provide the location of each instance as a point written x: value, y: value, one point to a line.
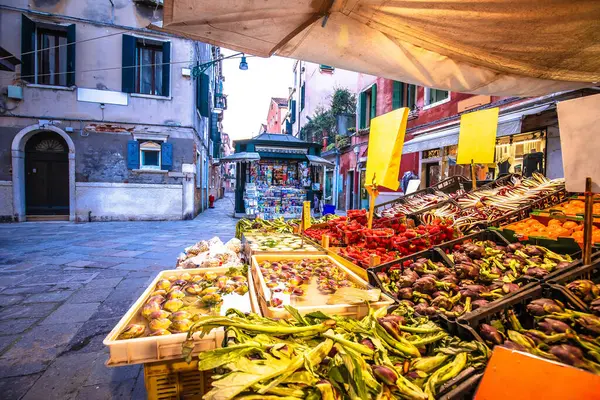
x: 249, y: 92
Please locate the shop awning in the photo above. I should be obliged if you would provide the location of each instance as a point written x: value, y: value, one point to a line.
x: 316, y: 160
x: 505, y: 48
x: 508, y: 124
x: 242, y: 157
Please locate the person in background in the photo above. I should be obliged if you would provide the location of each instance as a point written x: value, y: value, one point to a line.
x: 533, y: 162
x: 408, y: 175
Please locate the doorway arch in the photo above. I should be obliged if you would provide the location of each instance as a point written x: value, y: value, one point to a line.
x: 19, y: 177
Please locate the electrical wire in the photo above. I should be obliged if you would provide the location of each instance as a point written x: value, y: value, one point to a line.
x: 233, y: 56
x: 68, y: 44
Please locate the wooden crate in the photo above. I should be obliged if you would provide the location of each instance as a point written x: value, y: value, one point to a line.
x: 176, y: 380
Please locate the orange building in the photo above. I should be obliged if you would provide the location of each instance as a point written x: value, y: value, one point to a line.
x: 277, y: 111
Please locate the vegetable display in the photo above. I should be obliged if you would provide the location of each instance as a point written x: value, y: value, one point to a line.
x: 178, y: 301
x: 317, y: 356
x: 588, y: 292
x: 483, y: 271
x: 554, y: 229
x: 403, y: 243
x: 277, y: 225
x: 292, y: 277
x: 557, y: 333
x: 414, y: 204
x: 575, y: 207
x: 278, y: 242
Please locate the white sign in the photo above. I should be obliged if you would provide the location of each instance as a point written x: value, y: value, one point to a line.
x: 579, y: 123
x: 413, y: 186
x: 102, y: 96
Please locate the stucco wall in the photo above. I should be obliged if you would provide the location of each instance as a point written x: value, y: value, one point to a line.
x: 6, y: 201
x: 115, y: 201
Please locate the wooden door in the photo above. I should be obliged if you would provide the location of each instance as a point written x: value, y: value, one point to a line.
x: 46, y: 175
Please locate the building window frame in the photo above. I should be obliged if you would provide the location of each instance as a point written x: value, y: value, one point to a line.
x: 150, y: 147
x: 160, y: 66
x: 427, y: 98
x: 51, y: 75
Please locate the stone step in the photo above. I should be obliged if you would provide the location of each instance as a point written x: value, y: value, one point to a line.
x: 38, y: 218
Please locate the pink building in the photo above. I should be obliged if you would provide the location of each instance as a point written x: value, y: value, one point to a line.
x: 277, y: 112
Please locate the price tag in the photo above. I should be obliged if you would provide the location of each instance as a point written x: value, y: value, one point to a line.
x: 306, y: 215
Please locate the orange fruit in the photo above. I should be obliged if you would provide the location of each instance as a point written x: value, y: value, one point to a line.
x: 570, y: 225
x: 554, y: 222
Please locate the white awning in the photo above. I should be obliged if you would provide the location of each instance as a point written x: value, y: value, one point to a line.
x: 508, y: 124
x: 316, y: 160
x: 505, y: 48
x: 242, y: 157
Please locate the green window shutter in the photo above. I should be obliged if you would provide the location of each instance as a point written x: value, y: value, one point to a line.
x: 214, y: 127
x: 128, y: 64
x: 203, y: 94
x: 374, y: 100
x: 397, y: 92
x: 293, y: 112
x: 27, y: 49
x: 411, y: 91
x: 166, y: 68
x: 362, y: 117
x: 302, y: 96
x: 71, y: 39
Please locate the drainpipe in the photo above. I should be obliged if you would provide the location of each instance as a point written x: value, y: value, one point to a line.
x: 112, y: 12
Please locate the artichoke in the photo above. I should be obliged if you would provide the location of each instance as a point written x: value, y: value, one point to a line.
x: 584, y: 289
x: 133, y: 331
x: 491, y: 334
x: 173, y: 305
x: 541, y: 307
x: 157, y: 324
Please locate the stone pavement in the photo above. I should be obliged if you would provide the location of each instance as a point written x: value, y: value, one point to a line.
x: 64, y: 286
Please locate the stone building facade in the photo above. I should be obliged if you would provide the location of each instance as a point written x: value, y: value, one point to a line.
x: 103, y: 119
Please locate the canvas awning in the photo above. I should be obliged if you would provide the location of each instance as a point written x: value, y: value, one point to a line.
x: 316, y: 160
x: 506, y: 48
x: 242, y: 157
x: 508, y: 124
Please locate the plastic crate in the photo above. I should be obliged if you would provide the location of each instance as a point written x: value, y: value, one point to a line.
x: 482, y: 235
x: 451, y: 185
x: 176, y: 380
x: 263, y: 293
x: 161, y: 348
x: 591, y: 272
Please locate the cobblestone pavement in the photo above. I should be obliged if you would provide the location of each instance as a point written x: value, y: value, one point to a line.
x: 64, y: 286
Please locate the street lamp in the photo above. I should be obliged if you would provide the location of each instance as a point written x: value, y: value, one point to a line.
x: 243, y: 63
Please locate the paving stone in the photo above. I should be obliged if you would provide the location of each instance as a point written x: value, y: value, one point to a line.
x: 101, y: 375
x: 27, y: 311
x: 63, y: 379
x: 70, y: 313
x: 94, y: 295
x: 133, y: 266
x: 26, y: 289
x: 19, y: 366
x: 50, y: 297
x: 128, y: 283
x: 139, y: 391
x: 103, y: 283
x: 80, y: 263
x: 13, y: 280
x: 67, y: 286
x: 6, y: 341
x: 14, y: 388
x: 112, y: 390
x: 17, y: 325
x: 90, y: 336
x: 128, y: 253
x: 53, y: 279
x: 112, y: 273
x: 83, y: 278
x: 9, y: 300
x: 43, y: 342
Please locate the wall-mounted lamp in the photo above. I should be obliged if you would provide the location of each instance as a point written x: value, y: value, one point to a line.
x: 243, y: 63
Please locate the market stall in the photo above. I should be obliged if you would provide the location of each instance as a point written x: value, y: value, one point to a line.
x: 281, y: 174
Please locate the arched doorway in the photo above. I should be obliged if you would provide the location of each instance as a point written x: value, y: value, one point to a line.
x: 46, y: 175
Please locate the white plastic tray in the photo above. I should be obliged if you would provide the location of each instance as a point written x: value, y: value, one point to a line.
x: 168, y: 347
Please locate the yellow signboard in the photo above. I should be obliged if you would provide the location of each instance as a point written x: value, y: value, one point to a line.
x: 306, y: 215
x: 477, y: 137
x: 385, y: 148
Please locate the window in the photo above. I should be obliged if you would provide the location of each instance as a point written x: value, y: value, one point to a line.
x: 404, y: 95
x: 302, y: 96
x: 149, y: 155
x: 47, y: 53
x: 148, y: 71
x: 434, y: 97
x: 367, y: 106
x: 198, y: 170
x: 146, y: 66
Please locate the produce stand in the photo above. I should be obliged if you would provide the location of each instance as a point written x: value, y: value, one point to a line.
x: 265, y: 243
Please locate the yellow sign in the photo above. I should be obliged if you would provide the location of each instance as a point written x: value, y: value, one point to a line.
x: 477, y: 137
x: 306, y: 215
x: 386, y: 140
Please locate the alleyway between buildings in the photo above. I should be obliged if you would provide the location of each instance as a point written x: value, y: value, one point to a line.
x: 64, y: 286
